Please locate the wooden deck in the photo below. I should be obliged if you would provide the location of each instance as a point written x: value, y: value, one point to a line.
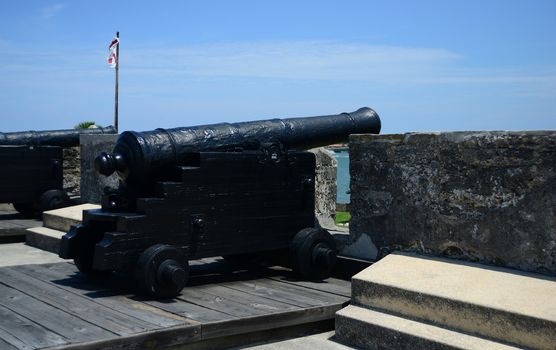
x: 54, y: 306
x: 13, y: 225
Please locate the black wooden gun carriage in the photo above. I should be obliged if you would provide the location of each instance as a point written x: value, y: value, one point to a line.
x: 216, y: 190
x: 31, y: 163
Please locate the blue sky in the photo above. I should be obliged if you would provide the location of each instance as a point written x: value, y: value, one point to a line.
x: 422, y: 65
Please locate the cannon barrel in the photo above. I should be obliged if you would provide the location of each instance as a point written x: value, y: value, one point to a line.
x: 138, y: 154
x: 61, y: 138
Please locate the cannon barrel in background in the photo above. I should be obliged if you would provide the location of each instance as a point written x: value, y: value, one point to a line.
x: 61, y: 138
x: 138, y: 154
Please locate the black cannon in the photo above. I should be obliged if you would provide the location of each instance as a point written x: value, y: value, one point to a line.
x: 31, y: 176
x: 230, y: 189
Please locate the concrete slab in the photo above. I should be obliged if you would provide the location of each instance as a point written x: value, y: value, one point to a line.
x: 13, y: 224
x: 320, y: 341
x: 498, y: 303
x: 21, y: 254
x: 6, y: 207
x: 44, y: 238
x: 371, y: 329
x: 62, y: 219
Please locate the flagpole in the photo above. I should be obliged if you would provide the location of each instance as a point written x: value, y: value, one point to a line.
x: 116, y: 95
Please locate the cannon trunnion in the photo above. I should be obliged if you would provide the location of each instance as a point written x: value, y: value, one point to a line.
x: 232, y: 190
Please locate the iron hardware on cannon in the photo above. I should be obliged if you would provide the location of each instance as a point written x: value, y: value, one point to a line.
x: 228, y: 189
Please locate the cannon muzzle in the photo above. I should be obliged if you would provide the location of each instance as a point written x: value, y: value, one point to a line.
x: 138, y: 154
x: 61, y: 138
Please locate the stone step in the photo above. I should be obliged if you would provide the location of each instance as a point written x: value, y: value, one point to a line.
x: 495, y: 303
x: 371, y: 329
x: 44, y: 238
x: 62, y: 219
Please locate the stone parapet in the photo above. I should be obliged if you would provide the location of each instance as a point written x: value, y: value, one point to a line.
x: 71, y: 171
x: 481, y: 196
x: 325, y: 187
x: 93, y: 184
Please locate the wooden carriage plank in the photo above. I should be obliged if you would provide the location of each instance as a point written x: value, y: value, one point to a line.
x: 65, y: 276
x: 25, y: 334
x: 268, y: 321
x: 76, y: 305
x: 299, y: 296
x: 157, y: 339
x: 58, y: 321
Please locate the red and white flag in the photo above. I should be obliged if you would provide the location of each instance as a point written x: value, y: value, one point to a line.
x: 113, y: 56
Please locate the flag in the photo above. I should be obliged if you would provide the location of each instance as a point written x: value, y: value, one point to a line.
x: 113, y: 56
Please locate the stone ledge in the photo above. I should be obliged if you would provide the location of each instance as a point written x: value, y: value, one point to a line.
x: 44, y: 238
x: 62, y: 219
x: 492, y: 302
x: 453, y: 136
x: 371, y: 329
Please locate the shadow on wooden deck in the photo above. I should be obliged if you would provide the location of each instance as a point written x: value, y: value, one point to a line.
x: 54, y: 306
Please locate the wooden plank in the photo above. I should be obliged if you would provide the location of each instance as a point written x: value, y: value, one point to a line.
x: 189, y: 310
x: 4, y: 345
x: 55, y: 320
x: 107, y: 293
x: 25, y: 334
x: 325, y: 286
x: 217, y: 303
x: 170, y: 337
x: 268, y: 321
x: 234, y: 302
x: 329, y: 285
x: 76, y: 305
x: 295, y: 295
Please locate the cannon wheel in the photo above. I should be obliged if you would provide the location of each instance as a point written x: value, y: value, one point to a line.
x: 162, y: 271
x: 313, y: 253
x: 85, y: 252
x: 53, y: 199
x: 84, y: 263
x: 28, y: 210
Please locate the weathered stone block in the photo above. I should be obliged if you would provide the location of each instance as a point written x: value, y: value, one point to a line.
x: 325, y: 187
x: 481, y: 196
x: 62, y: 219
x: 71, y: 171
x: 372, y: 329
x: 93, y: 184
x: 491, y: 302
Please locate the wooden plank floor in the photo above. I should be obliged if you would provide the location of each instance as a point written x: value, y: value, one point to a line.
x: 53, y: 306
x: 13, y: 225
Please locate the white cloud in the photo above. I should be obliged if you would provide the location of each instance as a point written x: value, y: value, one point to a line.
x: 295, y: 60
x: 291, y: 60
x: 322, y: 60
x: 52, y: 10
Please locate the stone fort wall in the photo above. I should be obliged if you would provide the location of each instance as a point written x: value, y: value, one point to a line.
x: 488, y: 197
